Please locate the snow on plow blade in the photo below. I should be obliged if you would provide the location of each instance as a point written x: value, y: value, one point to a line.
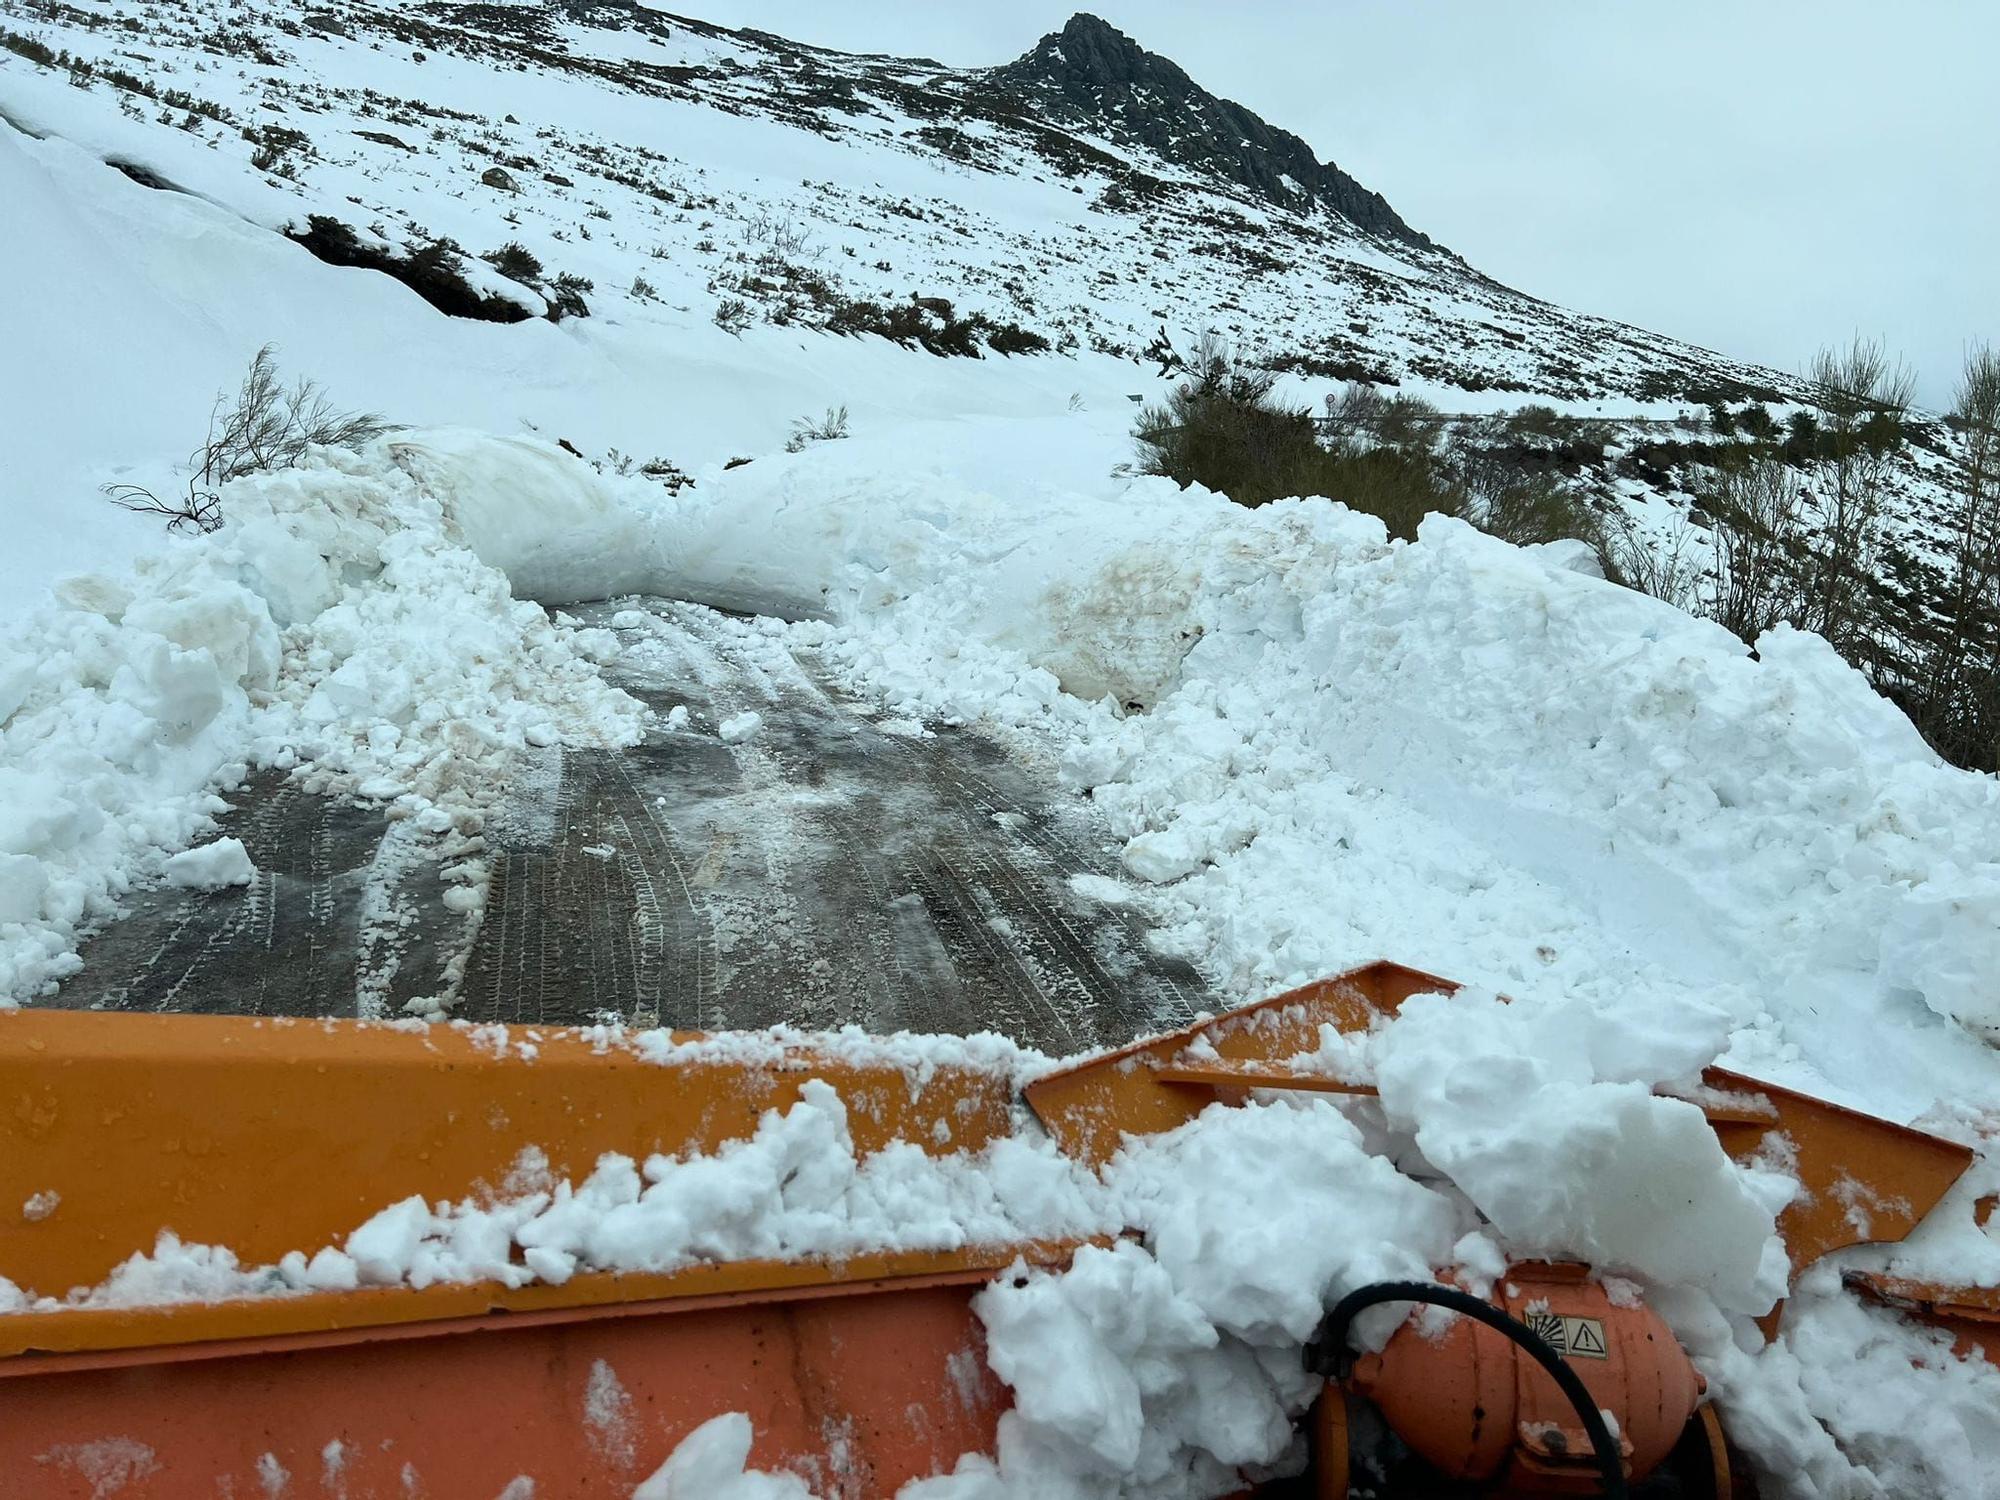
x: 268, y: 1136
x: 1843, y: 1158
x: 860, y: 1372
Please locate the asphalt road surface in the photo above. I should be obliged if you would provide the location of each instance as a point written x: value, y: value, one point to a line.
x: 831, y: 868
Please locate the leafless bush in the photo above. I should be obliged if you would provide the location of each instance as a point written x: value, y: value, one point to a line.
x: 779, y: 240
x: 270, y: 425
x: 1759, y: 541
x: 1862, y: 400
x: 1668, y: 566
x: 267, y: 425
x: 1540, y: 509
x: 1956, y: 701
x: 200, y: 511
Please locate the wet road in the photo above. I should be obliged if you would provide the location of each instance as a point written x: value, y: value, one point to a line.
x: 833, y: 867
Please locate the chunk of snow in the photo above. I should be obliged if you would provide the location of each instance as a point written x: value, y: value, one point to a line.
x: 212, y: 866
x: 1534, y: 1112
x: 739, y: 727
x: 711, y: 1462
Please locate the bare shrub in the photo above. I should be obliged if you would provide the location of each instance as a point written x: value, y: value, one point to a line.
x: 1862, y: 400
x: 1539, y: 509
x: 780, y: 239
x: 1957, y: 697
x: 270, y: 425
x: 1668, y: 566
x: 266, y: 426
x: 733, y: 315
x: 1758, y: 542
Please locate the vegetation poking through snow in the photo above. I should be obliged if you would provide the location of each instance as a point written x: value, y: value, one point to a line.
x: 806, y: 432
x: 1389, y: 456
x: 433, y: 269
x: 267, y: 425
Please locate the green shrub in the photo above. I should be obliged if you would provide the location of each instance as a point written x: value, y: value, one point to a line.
x: 516, y: 262
x: 33, y: 49
x: 565, y: 296
x: 1223, y: 428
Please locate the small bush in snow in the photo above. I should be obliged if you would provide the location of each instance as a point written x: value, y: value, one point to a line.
x: 733, y: 315
x: 644, y: 290
x: 33, y: 49
x: 516, y: 262
x: 268, y: 425
x: 1541, y: 510
x: 1224, y: 429
x: 565, y: 296
x: 430, y: 268
x: 827, y: 429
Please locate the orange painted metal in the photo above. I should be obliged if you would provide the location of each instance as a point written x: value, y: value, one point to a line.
x: 1476, y: 1408
x: 1090, y: 1109
x: 857, y: 1392
x: 269, y: 1136
x: 138, y: 1333
x: 1865, y: 1179
x: 1971, y: 1315
x: 1721, y: 1481
x: 1332, y: 1455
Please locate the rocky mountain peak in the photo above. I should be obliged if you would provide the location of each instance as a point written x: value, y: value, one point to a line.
x: 1092, y: 76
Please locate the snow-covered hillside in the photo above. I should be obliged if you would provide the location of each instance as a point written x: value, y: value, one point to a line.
x: 1314, y: 746
x: 1089, y: 198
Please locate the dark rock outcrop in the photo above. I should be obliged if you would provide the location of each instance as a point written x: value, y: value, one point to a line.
x: 1091, y: 75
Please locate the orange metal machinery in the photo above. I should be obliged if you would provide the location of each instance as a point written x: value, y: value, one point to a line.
x: 1464, y: 1398
x: 268, y: 1136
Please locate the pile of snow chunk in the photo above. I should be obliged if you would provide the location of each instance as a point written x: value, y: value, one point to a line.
x: 1574, y: 1156
x: 1466, y: 754
x: 337, y: 627
x: 711, y: 1462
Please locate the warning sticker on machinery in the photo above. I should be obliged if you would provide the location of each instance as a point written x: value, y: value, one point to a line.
x: 1577, y: 1338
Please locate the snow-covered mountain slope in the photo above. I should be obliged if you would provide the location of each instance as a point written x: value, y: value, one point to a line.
x: 1087, y: 197
x: 1088, y: 192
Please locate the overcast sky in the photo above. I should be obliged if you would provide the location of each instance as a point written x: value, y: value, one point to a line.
x: 1759, y: 176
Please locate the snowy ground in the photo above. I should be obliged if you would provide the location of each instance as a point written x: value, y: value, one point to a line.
x: 1314, y: 748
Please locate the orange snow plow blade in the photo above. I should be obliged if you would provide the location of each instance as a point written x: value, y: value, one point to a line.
x: 1866, y: 1180
x: 859, y: 1374
x: 267, y: 1137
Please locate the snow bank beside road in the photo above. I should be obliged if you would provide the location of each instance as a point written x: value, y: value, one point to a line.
x: 1472, y: 758
x: 1458, y: 752
x: 337, y: 627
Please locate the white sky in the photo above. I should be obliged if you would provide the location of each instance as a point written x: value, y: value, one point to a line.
x: 1759, y: 176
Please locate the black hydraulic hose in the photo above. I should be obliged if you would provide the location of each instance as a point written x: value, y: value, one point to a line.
x: 1329, y: 1355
